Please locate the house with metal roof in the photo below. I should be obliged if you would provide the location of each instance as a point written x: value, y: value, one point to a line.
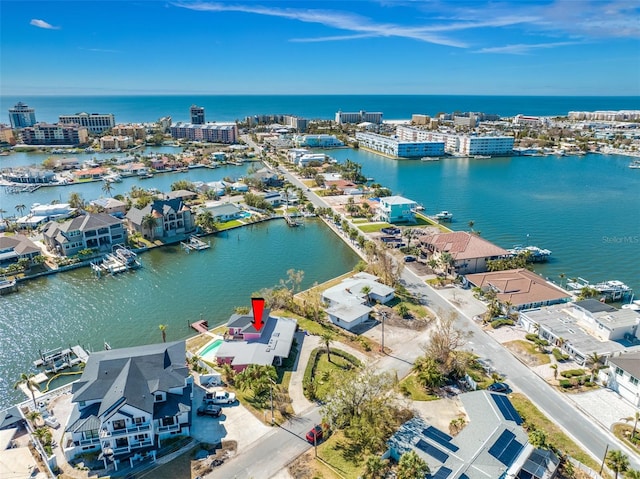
x: 470, y: 252
x: 247, y: 342
x: 397, y: 209
x: 128, y: 401
x: 348, y: 303
x: 492, y: 443
x: 16, y: 247
x: 623, y: 376
x: 222, y: 212
x: 97, y: 231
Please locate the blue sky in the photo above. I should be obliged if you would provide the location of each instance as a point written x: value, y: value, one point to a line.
x: 561, y: 47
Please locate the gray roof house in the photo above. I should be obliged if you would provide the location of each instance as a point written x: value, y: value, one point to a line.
x: 173, y: 218
x: 623, y: 376
x: 16, y: 247
x: 493, y: 444
x: 97, y: 231
x: 223, y: 212
x: 348, y: 302
x: 127, y: 401
x: 245, y: 345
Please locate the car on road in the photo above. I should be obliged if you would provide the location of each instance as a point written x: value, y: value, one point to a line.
x: 209, y: 410
x: 314, y: 436
x: 498, y: 388
x: 409, y: 259
x: 219, y: 397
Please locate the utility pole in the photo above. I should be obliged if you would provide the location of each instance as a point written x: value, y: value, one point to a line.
x: 271, y: 395
x: 604, y: 458
x: 383, y: 315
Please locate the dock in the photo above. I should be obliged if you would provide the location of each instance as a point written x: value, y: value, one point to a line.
x: 119, y: 261
x: 58, y: 359
x: 292, y: 221
x: 8, y: 286
x: 201, y: 326
x: 194, y: 244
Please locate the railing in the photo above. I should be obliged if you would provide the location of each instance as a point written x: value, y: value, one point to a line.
x: 88, y: 442
x: 119, y: 450
x: 173, y: 427
x: 128, y: 430
x: 146, y: 442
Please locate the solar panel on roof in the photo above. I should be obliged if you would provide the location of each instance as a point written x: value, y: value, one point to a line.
x: 506, y: 408
x: 442, y: 473
x: 432, y: 451
x: 440, y: 437
x: 506, y: 448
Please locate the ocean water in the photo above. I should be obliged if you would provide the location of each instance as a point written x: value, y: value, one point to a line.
x: 236, y: 107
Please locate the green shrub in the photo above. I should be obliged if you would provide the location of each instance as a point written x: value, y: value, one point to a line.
x: 532, y: 337
x: 560, y: 356
x: 570, y: 373
x: 501, y: 322
x: 565, y: 383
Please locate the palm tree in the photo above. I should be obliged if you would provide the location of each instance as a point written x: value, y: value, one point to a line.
x: 635, y: 418
x: 76, y: 200
x: 20, y: 208
x: 149, y: 223
x: 374, y: 468
x: 617, y: 462
x: 471, y: 224
x: 428, y: 372
x: 562, y: 277
x: 593, y: 361
x: 366, y: 290
x: 163, y: 330
x: 28, y: 379
x: 107, y: 187
x: 412, y: 466
x: 33, y: 416
x: 555, y: 370
x: 327, y: 338
x: 633, y: 474
x: 448, y: 262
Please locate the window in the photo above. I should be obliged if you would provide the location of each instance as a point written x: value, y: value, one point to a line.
x: 158, y: 397
x: 138, y: 420
x: 119, y: 424
x: 619, y: 371
x: 168, y: 421
x: 633, y: 380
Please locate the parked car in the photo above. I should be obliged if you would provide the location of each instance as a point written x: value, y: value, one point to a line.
x: 409, y: 259
x: 209, y: 410
x: 498, y: 388
x: 220, y: 397
x: 314, y: 436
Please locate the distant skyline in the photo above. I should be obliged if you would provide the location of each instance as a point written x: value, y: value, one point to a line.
x: 563, y: 47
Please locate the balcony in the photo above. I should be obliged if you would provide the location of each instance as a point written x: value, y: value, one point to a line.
x: 173, y: 427
x: 88, y: 442
x: 126, y: 431
x: 145, y: 443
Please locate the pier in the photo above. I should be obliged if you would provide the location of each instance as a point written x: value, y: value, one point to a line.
x: 55, y: 360
x: 8, y: 286
x: 201, y: 326
x: 121, y: 260
x: 194, y: 244
x: 292, y: 221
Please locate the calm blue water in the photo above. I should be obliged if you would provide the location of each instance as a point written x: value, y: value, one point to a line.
x: 585, y: 209
x: 172, y: 288
x: 232, y: 107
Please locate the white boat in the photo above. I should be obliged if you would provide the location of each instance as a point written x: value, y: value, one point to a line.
x: 444, y: 216
x: 635, y: 164
x: 430, y: 158
x: 536, y: 255
x: 112, y: 178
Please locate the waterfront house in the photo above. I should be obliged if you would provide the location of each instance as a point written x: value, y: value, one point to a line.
x: 29, y: 176
x: 584, y: 327
x: 173, y: 218
x: 520, y: 288
x: 266, y: 176
x: 111, y: 206
x: 90, y: 173
x: 245, y: 344
x: 40, y: 214
x: 623, y: 376
x: 183, y: 195
x: 132, y: 168
x: 470, y: 252
x: 17, y: 247
x: 97, y: 231
x: 223, y: 212
x: 349, y: 303
x: 396, y: 209
x: 492, y: 443
x: 128, y: 401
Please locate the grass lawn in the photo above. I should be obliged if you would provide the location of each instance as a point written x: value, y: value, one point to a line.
x: 555, y: 435
x: 195, y: 343
x: 423, y: 220
x: 410, y: 388
x: 526, y: 348
x: 333, y: 452
x: 230, y: 224
x: 324, y: 372
x: 360, y: 220
x: 417, y: 310
x: 373, y: 228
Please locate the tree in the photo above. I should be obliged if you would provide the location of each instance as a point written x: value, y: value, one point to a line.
x: 327, y: 338
x: 555, y: 370
x: 412, y: 466
x: 366, y: 290
x: 403, y: 309
x: 28, y: 379
x: 107, y: 187
x: 206, y: 221
x: 448, y: 262
x: 617, y: 461
x: 445, y: 341
x: 76, y: 200
x: 163, y: 330
x: 258, y: 378
x: 635, y: 418
x: 538, y: 438
x: 562, y: 276
x: 632, y: 474
x: 428, y: 372
x: 375, y: 468
x: 20, y: 208
x: 149, y: 223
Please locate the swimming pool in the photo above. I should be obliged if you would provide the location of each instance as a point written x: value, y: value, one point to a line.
x: 244, y: 214
x: 208, y: 353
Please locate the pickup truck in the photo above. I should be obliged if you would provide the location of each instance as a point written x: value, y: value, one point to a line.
x: 219, y: 397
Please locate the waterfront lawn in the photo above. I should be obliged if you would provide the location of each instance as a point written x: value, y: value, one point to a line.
x: 230, y: 225
x: 410, y: 388
x: 323, y: 371
x: 533, y: 418
x: 373, y: 228
x: 197, y: 342
x: 423, y: 220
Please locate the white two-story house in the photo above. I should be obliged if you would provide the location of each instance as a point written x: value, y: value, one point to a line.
x: 128, y: 401
x: 98, y: 231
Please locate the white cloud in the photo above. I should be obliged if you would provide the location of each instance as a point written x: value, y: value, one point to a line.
x: 42, y: 24
x: 523, y: 48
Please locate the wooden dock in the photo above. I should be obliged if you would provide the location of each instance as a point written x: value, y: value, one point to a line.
x: 201, y: 326
x: 292, y: 221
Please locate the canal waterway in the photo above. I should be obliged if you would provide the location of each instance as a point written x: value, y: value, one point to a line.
x: 585, y: 209
x: 172, y: 288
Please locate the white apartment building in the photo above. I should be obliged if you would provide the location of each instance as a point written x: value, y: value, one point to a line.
x: 486, y: 145
x: 358, y: 117
x: 396, y: 147
x: 93, y: 122
x: 115, y: 142
x: 211, y: 132
x: 317, y: 141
